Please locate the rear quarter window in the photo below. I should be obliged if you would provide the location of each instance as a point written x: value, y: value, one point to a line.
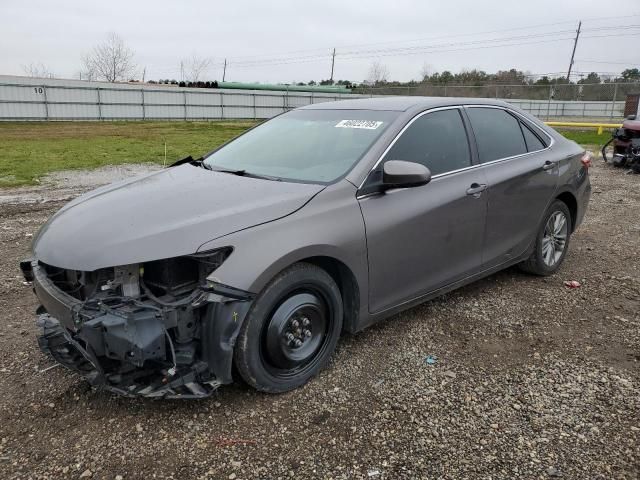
x: 533, y: 142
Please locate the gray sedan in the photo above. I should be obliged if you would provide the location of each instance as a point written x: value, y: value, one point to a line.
x: 325, y: 219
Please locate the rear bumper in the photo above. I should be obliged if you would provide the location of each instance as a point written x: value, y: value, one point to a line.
x: 131, y: 348
x: 583, y: 195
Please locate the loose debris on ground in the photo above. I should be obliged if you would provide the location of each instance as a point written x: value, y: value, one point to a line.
x: 527, y: 379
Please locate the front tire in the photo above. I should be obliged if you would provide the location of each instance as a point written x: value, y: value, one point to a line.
x: 552, y: 241
x: 291, y: 330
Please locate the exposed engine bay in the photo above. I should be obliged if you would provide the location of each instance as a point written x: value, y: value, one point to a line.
x: 626, y: 146
x: 157, y: 329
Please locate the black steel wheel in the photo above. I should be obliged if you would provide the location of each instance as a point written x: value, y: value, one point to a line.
x: 291, y: 330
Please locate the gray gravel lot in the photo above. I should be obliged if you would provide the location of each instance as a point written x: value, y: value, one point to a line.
x: 531, y: 380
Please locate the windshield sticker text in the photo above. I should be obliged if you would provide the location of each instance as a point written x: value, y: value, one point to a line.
x: 367, y: 124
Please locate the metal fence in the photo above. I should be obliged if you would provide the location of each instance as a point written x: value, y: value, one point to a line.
x: 44, y: 99
x: 563, y: 101
x: 51, y: 99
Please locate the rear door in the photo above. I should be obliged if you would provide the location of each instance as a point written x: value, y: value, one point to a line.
x: 420, y: 239
x: 522, y: 176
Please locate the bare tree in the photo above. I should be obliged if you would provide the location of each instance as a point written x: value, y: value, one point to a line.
x: 425, y: 71
x: 39, y: 70
x: 194, y: 67
x: 378, y: 73
x: 110, y: 60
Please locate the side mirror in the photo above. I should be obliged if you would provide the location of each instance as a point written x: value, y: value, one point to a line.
x: 401, y: 174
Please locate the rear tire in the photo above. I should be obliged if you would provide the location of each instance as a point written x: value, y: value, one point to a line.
x: 291, y: 330
x: 552, y: 241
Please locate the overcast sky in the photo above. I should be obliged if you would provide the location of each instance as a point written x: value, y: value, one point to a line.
x: 161, y: 32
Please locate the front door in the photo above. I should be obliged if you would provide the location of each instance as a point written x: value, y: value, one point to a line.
x: 423, y: 238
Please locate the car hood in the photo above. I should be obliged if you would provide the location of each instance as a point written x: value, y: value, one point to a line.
x: 164, y: 214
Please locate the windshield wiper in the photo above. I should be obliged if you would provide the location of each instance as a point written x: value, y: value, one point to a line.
x: 241, y: 173
x: 189, y: 159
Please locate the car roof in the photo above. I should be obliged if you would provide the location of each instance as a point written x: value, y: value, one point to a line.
x: 400, y: 104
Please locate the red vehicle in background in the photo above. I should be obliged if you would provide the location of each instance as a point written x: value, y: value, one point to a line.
x: 626, y: 146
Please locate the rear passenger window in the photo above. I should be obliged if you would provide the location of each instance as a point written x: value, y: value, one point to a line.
x: 437, y: 140
x: 533, y: 142
x: 498, y: 134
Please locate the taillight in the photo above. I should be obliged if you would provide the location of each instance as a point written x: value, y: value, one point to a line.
x: 587, y: 160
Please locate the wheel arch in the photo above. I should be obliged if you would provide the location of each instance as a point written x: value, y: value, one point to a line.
x: 347, y: 283
x: 351, y: 284
x: 569, y: 199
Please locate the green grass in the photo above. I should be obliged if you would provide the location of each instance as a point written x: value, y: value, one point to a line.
x: 30, y: 150
x: 588, y: 137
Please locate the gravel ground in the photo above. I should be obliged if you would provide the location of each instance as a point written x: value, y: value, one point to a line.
x: 531, y: 380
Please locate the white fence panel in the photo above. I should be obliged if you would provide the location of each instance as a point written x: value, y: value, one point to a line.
x: 121, y: 112
x: 163, y: 97
x: 196, y: 98
x: 160, y: 112
x: 22, y: 93
x: 262, y: 112
x: 71, y: 95
x: 23, y: 111
x: 196, y: 112
x: 24, y: 98
x: 75, y: 111
x: 268, y: 100
x: 121, y: 96
x: 296, y: 101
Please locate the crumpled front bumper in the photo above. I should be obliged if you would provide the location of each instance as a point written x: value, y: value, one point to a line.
x: 56, y: 341
x: 129, y: 351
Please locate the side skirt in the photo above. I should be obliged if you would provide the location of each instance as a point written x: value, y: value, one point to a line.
x: 378, y: 316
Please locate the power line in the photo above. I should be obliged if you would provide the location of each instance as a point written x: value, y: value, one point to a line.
x: 606, y: 63
x: 486, y: 32
x: 412, y: 49
x: 405, y: 41
x: 404, y: 47
x: 401, y: 50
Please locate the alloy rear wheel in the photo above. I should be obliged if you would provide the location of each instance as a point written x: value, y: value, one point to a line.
x: 552, y: 241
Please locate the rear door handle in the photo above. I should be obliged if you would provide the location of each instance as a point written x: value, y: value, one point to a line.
x: 548, y: 165
x: 476, y: 189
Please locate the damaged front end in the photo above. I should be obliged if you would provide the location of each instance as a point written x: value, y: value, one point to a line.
x: 161, y: 329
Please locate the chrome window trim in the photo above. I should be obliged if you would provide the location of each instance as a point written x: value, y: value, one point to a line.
x: 519, y: 115
x: 470, y: 167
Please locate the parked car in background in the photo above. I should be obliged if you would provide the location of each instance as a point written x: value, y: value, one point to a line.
x: 325, y: 219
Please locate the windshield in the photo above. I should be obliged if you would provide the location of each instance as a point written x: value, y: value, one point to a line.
x: 317, y: 146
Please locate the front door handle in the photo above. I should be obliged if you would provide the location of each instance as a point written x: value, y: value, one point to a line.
x: 476, y: 189
x: 548, y: 165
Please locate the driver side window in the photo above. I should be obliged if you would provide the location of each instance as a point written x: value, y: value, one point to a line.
x: 438, y: 140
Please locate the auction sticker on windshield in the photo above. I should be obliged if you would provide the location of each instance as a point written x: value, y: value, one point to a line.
x: 368, y: 124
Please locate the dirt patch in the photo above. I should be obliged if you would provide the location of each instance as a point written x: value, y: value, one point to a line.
x: 68, y: 184
x: 530, y: 380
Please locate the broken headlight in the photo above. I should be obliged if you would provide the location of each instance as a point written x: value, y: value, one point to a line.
x: 179, y: 276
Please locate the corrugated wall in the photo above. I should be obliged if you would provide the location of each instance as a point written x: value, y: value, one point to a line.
x: 23, y: 98
x: 43, y: 99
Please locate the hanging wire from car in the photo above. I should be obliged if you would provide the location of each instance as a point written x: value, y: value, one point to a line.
x: 191, y: 298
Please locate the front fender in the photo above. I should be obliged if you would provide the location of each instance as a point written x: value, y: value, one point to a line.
x: 330, y: 225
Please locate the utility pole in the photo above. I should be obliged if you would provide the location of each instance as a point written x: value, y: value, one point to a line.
x: 333, y: 61
x: 575, y: 44
x: 224, y: 70
x: 181, y: 71
x: 144, y: 73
